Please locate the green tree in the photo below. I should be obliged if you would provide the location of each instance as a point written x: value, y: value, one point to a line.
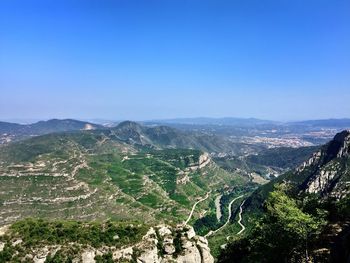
x: 296, y: 224
x: 282, y: 235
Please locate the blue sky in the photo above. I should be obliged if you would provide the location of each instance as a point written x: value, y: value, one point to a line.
x: 146, y: 59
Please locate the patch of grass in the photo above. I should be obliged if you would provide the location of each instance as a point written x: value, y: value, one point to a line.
x: 150, y: 200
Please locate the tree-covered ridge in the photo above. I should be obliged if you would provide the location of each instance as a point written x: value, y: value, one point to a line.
x: 66, y: 239
x: 34, y: 232
x: 290, y: 231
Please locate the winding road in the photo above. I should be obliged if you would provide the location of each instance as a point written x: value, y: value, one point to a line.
x: 211, y: 232
x: 240, y: 219
x: 194, y: 207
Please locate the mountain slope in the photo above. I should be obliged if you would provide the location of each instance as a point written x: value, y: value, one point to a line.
x: 326, y: 173
x: 308, y: 207
x: 103, y: 174
x: 14, y: 132
x: 168, y: 137
x: 328, y: 170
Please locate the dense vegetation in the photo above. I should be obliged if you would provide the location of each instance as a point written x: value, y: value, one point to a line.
x: 36, y: 233
x: 283, y: 157
x: 291, y: 230
x: 210, y: 222
x: 266, y: 163
x: 96, y: 234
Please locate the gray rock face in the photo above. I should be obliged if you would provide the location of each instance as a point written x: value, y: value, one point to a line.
x: 328, y: 169
x: 158, y: 246
x: 193, y: 248
x: 192, y: 255
x: 320, y: 181
x: 344, y: 139
x: 312, y: 160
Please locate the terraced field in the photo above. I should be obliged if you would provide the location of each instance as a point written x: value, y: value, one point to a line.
x: 94, y: 175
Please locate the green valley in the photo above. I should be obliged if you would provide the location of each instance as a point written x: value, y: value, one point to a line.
x: 79, y: 187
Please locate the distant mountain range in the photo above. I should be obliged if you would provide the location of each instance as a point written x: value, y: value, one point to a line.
x: 246, y: 122
x: 72, y: 124
x: 329, y: 123
x: 21, y: 131
x: 169, y: 137
x: 208, y: 134
x: 131, y: 132
x: 43, y: 127
x: 229, y: 121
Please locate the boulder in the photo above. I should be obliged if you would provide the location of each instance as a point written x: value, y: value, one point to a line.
x: 164, y: 230
x: 2, y: 245
x: 169, y: 249
x: 88, y: 256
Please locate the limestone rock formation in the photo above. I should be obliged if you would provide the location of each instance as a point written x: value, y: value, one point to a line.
x: 327, y: 172
x: 203, y: 160
x: 161, y: 244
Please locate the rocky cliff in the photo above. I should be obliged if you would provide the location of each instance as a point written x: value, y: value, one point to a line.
x: 327, y: 172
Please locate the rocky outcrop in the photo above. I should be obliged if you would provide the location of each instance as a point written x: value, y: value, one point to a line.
x: 311, y: 161
x: 164, y: 244
x: 327, y: 171
x: 320, y: 181
x: 344, y: 139
x: 203, y: 160
x: 182, y: 177
x: 88, y: 256
x: 161, y: 244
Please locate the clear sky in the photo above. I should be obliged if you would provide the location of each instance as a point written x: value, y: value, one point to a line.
x: 145, y: 59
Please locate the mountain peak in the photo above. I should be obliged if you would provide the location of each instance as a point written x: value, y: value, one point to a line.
x: 128, y: 124
x: 342, y: 136
x: 328, y: 174
x: 340, y: 145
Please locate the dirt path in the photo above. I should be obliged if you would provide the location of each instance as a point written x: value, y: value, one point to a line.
x: 228, y: 218
x: 194, y: 207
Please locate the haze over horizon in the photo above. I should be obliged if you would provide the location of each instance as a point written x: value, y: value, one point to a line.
x: 142, y: 60
x: 166, y: 121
